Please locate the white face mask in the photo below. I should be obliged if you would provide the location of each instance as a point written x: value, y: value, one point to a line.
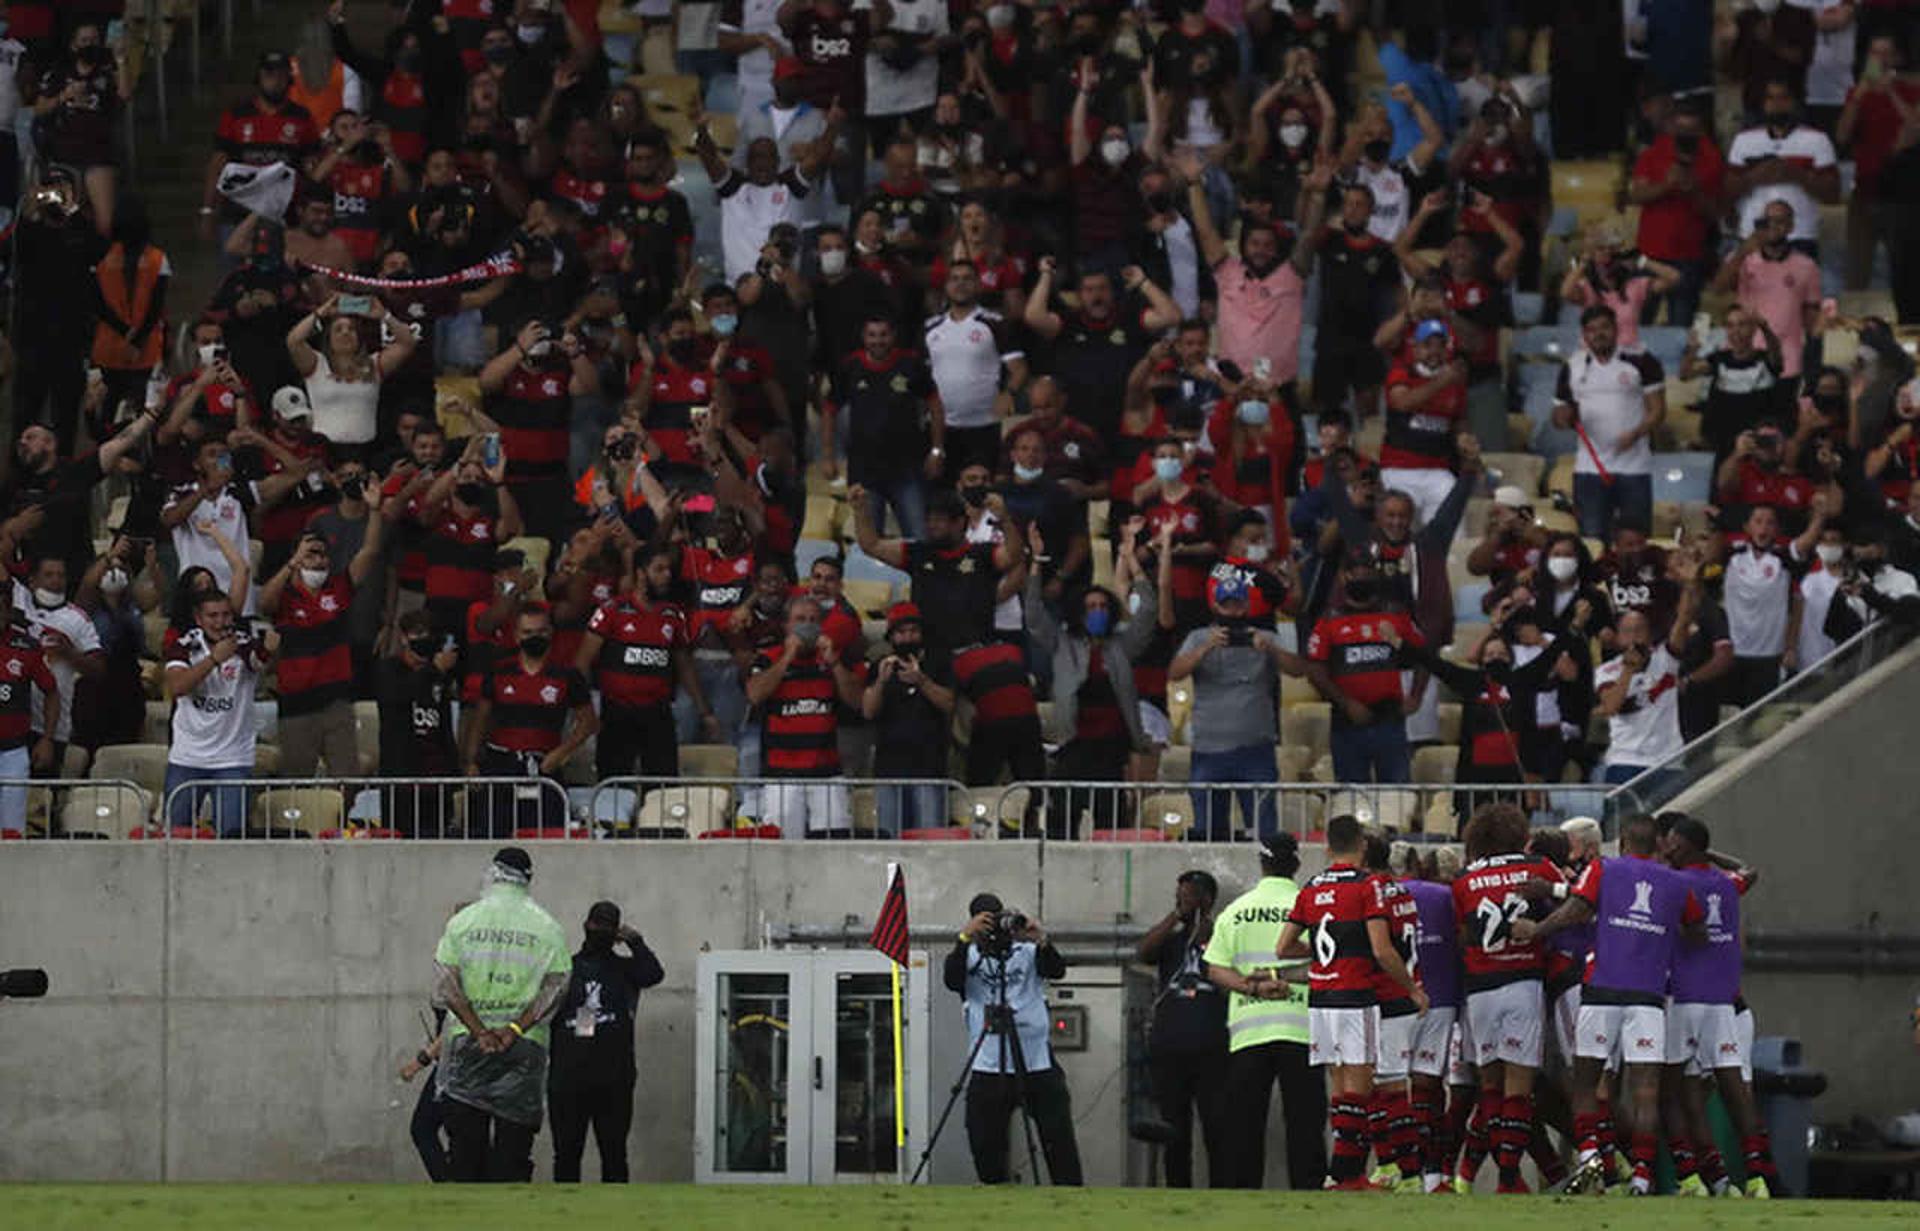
x: 1167, y: 469
x: 531, y: 34
x: 48, y: 598
x: 313, y: 578
x: 1766, y: 6
x: 1027, y: 474
x: 1258, y: 552
x: 1293, y: 135
x: 1830, y: 553
x: 1000, y: 16
x: 1115, y: 151
x: 1497, y: 135
x: 833, y: 262
x: 114, y: 581
x: 1562, y: 567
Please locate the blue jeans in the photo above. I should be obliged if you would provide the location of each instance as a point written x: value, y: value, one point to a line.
x: 1683, y: 300
x: 460, y: 341
x: 909, y: 501
x: 910, y: 807
x: 726, y: 697
x: 1598, y: 504
x: 1213, y: 810
x: 229, y: 802
x: 1376, y: 752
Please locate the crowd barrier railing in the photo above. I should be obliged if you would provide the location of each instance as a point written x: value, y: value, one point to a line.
x: 260, y: 808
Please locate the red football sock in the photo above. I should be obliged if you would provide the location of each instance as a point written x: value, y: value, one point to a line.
x: 1427, y: 1132
x: 1379, y: 1123
x: 1681, y: 1149
x: 1586, y: 1131
x: 1479, y: 1135
x: 1758, y: 1152
x: 1645, y: 1146
x: 1713, y: 1168
x: 1348, y: 1118
x: 1510, y: 1134
x: 1403, y: 1134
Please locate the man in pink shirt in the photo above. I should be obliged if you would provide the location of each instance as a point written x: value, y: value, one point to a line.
x: 1262, y: 298
x: 1776, y: 282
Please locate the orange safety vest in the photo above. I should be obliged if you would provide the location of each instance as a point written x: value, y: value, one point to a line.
x: 130, y: 304
x: 324, y: 103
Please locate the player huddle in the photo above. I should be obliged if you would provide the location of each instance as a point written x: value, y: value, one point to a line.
x: 1431, y: 987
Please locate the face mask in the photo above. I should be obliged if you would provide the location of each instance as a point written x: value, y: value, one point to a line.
x: 1253, y: 414
x: 114, y: 580
x: 1259, y: 552
x: 1779, y: 121
x: 1293, y: 136
x: 422, y: 646
x: 1497, y: 135
x: 833, y: 262
x: 1497, y: 667
x: 1027, y: 474
x: 530, y: 34
x: 1000, y: 16
x: 1115, y: 151
x: 48, y: 598
x: 1167, y: 469
x: 474, y: 494
x: 1829, y: 403
x: 536, y: 645
x: 1099, y: 621
x: 973, y: 497
x: 1361, y: 593
x: 724, y: 325
x: 1562, y: 568
x: 353, y: 487
x: 682, y: 349
x: 313, y: 578
x: 275, y: 96
x: 496, y: 53
x: 807, y: 632
x: 1376, y: 151
x: 1830, y: 553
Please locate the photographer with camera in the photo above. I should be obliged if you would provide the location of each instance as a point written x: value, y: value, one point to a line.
x: 999, y: 968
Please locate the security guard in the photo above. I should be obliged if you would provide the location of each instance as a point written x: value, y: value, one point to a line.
x: 1267, y: 1027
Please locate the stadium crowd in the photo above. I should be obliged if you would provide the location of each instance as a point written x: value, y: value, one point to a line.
x: 919, y: 391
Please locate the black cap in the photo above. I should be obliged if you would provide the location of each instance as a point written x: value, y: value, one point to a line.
x: 603, y: 914
x: 1279, y: 845
x: 270, y: 60
x: 515, y: 858
x: 984, y: 902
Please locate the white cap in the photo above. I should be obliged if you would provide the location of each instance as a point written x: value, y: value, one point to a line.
x: 1511, y: 497
x: 290, y: 402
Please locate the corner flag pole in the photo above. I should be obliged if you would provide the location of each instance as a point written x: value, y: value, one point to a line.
x: 899, y: 1085
x: 890, y: 937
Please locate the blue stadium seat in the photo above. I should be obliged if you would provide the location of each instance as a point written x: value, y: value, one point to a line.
x: 806, y: 551
x: 1527, y: 307
x: 1683, y: 476
x: 1665, y: 343
x: 863, y: 567
x: 1466, y: 602
x: 1564, y: 222
x: 1548, y: 341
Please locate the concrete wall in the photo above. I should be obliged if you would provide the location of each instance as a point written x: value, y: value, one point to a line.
x: 222, y: 1011
x: 1826, y: 810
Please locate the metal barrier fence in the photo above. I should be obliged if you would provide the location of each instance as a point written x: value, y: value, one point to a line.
x: 40, y: 808
x: 1240, y: 811
x: 238, y: 807
x: 771, y: 808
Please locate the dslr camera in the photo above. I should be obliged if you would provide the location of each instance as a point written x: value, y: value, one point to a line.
x: 998, y: 941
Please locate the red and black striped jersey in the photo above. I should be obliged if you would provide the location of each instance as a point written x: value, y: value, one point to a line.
x: 530, y: 707
x: 1403, y: 925
x: 1486, y: 901
x: 994, y: 677
x: 534, y: 410
x: 1423, y: 438
x: 403, y: 109
x: 361, y: 194
x: 800, y: 722
x: 485, y: 649
x: 719, y: 584
x: 602, y: 588
x: 22, y: 668
x: 676, y: 390
x: 459, y: 555
x: 1334, y: 908
x: 637, y: 645
x: 315, y: 666
x: 1363, y: 664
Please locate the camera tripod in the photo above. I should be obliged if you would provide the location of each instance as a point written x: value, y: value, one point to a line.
x: 999, y: 1024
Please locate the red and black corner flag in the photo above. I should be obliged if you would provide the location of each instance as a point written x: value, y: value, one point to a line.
x: 890, y: 928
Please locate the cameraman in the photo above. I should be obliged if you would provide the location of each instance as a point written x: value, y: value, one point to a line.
x: 1000, y: 967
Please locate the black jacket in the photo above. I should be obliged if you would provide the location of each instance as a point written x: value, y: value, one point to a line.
x: 611, y: 985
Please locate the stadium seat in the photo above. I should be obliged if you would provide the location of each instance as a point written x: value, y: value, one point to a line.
x: 981, y: 808
x: 1295, y: 762
x: 107, y: 810
x: 1683, y: 477
x: 266, y: 760
x: 1527, y: 307
x: 1179, y: 709
x: 709, y: 761
x: 1167, y: 813
x: 1467, y: 601
x: 869, y: 598
x: 1665, y: 343
x: 537, y: 551
x: 1297, y: 690
x: 823, y: 519
x: 723, y: 94
x: 158, y: 728
x: 1434, y: 764
x: 366, y: 736
x: 302, y: 810
x: 1307, y: 725
x: 679, y: 810
x: 863, y: 807
x: 1523, y: 470
x: 806, y: 551
x: 863, y: 567
x: 1449, y: 715
x: 1387, y: 807
x: 1176, y: 764
x: 613, y: 807
x: 145, y: 765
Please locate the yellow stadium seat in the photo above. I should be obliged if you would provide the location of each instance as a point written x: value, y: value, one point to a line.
x: 305, y: 810
x: 1307, y: 724
x: 366, y: 735
x: 107, y: 810
x: 825, y: 518
x: 144, y: 765
x: 1560, y: 477
x: 1296, y: 762
x: 1523, y: 470
x: 667, y: 811
x: 1176, y: 764
x: 1434, y: 764
x: 870, y: 598
x: 1448, y: 713
x: 1297, y: 690
x: 709, y: 761
x: 1170, y: 812
x: 537, y: 552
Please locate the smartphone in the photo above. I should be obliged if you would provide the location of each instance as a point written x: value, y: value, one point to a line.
x: 1263, y: 369
x: 490, y: 450
x: 609, y: 512
x: 356, y: 305
x: 1240, y: 636
x: 116, y: 32
x: 699, y: 416
x: 212, y: 353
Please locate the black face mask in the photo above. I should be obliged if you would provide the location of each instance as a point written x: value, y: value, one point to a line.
x: 276, y: 97
x: 1160, y: 202
x: 1363, y: 593
x: 598, y: 941
x: 474, y: 494
x: 1377, y: 151
x: 535, y: 646
x: 906, y: 649
x: 682, y: 349
x: 422, y: 646
x: 1498, y: 668
x: 973, y: 497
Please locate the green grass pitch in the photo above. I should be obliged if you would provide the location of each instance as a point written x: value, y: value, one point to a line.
x: 421, y: 1207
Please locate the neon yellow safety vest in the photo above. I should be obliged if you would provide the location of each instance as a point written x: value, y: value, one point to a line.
x: 504, y: 945
x: 1244, y: 937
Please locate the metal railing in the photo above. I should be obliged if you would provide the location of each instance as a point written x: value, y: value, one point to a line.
x: 41, y: 808
x: 770, y: 808
x: 1661, y: 784
x: 269, y: 808
x: 1241, y: 811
